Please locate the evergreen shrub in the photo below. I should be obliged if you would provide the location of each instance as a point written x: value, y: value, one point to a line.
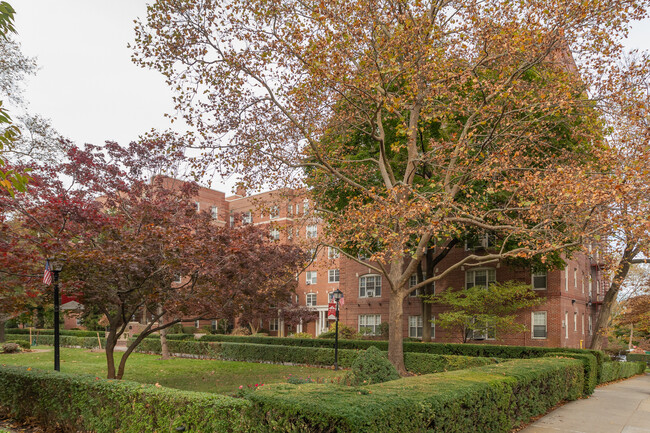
x: 371, y: 366
x: 621, y: 370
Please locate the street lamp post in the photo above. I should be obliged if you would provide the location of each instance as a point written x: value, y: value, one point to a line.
x: 57, y: 266
x: 337, y: 295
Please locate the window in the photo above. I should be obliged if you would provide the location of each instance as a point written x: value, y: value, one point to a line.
x: 583, y: 324
x: 370, y: 286
x: 539, y: 281
x: 369, y: 323
x: 312, y: 253
x: 77, y: 321
x: 589, y: 318
x: 538, y: 322
x: 275, y: 212
x: 485, y: 332
x: 232, y: 221
x: 178, y: 279
x: 196, y: 324
x: 311, y: 299
x: 289, y: 210
x: 566, y: 324
x: 290, y: 233
x: 583, y: 283
x: 482, y: 240
x: 247, y: 218
x: 214, y: 212
x: 275, y: 234
x: 598, y: 287
x: 312, y: 231
x: 480, y: 277
x: 332, y: 253
x: 575, y: 278
x: 198, y: 206
x: 566, y: 279
x: 305, y: 206
x: 333, y: 276
x: 413, y: 280
x: 311, y: 277
x: 415, y: 327
x: 273, y: 324
x: 214, y: 325
x: 575, y: 321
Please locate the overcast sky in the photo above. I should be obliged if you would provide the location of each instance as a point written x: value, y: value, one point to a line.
x: 87, y: 84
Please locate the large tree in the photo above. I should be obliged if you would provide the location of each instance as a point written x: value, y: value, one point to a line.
x: 429, y: 119
x: 135, y: 245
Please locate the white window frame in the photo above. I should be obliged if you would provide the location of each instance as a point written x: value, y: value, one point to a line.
x: 275, y: 234
x: 333, y: 276
x: 290, y: 210
x: 178, y: 279
x: 305, y: 206
x: 484, y: 334
x: 583, y: 323
x: 566, y: 324
x: 197, y: 324
x: 247, y: 217
x: 290, y: 233
x: 311, y: 231
x: 575, y: 321
x: 535, y: 275
x: 274, y: 212
x: 214, y: 212
x: 372, y: 321
x: 575, y: 278
x: 198, y: 206
x: 274, y: 324
x: 363, y: 286
x: 566, y: 278
x: 532, y: 324
x: 232, y: 221
x: 590, y: 325
x: 311, y: 277
x: 214, y: 324
x: 333, y: 253
x: 310, y: 299
x: 416, y: 327
x: 470, y: 277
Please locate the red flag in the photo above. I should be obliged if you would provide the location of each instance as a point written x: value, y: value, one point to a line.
x: 47, y: 275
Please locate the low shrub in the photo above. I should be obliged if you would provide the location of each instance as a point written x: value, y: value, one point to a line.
x: 371, y: 366
x: 70, y: 332
x: 590, y: 366
x: 638, y: 357
x: 64, y: 341
x: 22, y: 343
x: 300, y: 335
x: 190, y: 330
x: 621, y: 370
x: 11, y: 348
x: 425, y: 363
x: 71, y: 403
x: 494, y: 398
x: 345, y: 332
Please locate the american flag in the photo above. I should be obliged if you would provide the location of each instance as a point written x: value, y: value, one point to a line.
x: 47, y: 275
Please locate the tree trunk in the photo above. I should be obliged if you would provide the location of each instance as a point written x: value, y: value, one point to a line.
x: 2, y: 331
x: 605, y: 312
x: 395, y: 336
x: 111, y: 341
x: 163, y: 337
x: 629, y: 345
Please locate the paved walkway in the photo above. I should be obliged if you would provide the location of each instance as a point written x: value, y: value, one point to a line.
x: 622, y: 407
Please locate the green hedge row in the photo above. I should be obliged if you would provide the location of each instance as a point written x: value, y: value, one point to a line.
x: 590, y: 367
x: 64, y: 341
x: 72, y: 403
x: 494, y: 398
x: 483, y: 350
x: 75, y: 333
x: 418, y: 363
x: 621, y: 370
x: 638, y: 357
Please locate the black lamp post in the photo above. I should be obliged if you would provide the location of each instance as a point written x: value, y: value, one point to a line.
x: 337, y: 295
x: 56, y: 266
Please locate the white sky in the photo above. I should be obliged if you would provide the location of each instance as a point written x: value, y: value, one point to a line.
x: 87, y: 84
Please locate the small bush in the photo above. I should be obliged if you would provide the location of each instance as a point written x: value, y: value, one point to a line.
x: 345, y: 332
x: 371, y: 366
x: 383, y: 330
x: 11, y: 348
x: 190, y: 330
x: 295, y: 380
x: 22, y: 343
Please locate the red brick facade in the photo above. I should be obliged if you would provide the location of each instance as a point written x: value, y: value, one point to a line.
x: 571, y: 294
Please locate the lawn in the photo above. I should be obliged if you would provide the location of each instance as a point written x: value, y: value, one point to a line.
x: 223, y: 377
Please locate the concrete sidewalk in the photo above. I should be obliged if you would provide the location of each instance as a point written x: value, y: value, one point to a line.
x: 622, y: 407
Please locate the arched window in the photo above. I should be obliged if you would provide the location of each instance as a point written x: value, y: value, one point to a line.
x: 370, y: 286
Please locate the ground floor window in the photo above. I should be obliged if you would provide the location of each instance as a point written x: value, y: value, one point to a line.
x: 416, y: 326
x: 273, y: 324
x: 369, y: 323
x: 538, y: 322
x: 481, y: 331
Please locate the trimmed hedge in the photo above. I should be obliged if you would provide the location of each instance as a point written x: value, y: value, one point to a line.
x: 73, y: 333
x: 85, y: 403
x: 638, y: 357
x: 621, y: 370
x: 418, y: 363
x: 495, y: 398
x: 64, y: 341
x: 590, y: 366
x: 480, y: 350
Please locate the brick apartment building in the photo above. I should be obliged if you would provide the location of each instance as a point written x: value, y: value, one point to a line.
x: 573, y: 295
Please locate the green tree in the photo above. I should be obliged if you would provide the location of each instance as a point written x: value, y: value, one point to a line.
x: 486, y: 312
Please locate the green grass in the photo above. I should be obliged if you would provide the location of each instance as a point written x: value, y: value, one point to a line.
x: 222, y: 377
